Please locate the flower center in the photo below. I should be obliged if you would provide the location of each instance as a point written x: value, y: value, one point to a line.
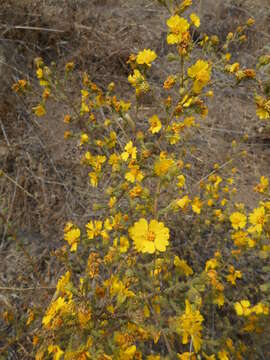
x: 260, y: 220
x: 151, y: 236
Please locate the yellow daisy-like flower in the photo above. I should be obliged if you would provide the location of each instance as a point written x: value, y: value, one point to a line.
x: 151, y: 237
x: 169, y: 82
x: 195, y: 20
x: 146, y: 57
x: 238, y: 220
x: 52, y: 310
x: 62, y: 283
x: 191, y: 326
x: 39, y: 73
x: 233, y: 276
x: 155, y: 124
x: 138, y: 81
x: 93, y: 229
x: 39, y: 110
x: 197, y: 205
x: 181, y: 181
x: 200, y: 72
x: 263, y: 107
x: 136, y: 78
x: 263, y: 185
x: 135, y: 174
x: 72, y: 237
x: 84, y: 139
x: 177, y: 26
x: 257, y: 218
x: 242, y: 308
x: 162, y: 166
x: 130, y: 151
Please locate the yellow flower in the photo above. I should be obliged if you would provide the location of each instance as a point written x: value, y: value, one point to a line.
x: 136, y: 191
x: 184, y: 4
x: 211, y: 264
x: 260, y: 308
x: 84, y: 108
x: 263, y: 107
x: 242, y: 308
x: 162, y: 166
x: 138, y: 81
x: 39, y: 73
x: 130, y: 151
x: 153, y: 357
x: 183, y: 202
x: 136, y: 78
x: 218, y: 296
x: 169, y: 82
x: 135, y: 174
x: 52, y: 310
x: 195, y: 20
x: 128, y: 354
x: 114, y: 162
x: 69, y: 66
x: 233, y: 68
x: 238, y: 220
x: 146, y: 57
x: 84, y: 139
x: 209, y: 357
x: 72, y: 237
x: 263, y: 185
x: 186, y: 356
x: 177, y: 26
x: 151, y: 237
x: 233, y: 276
x: 155, y: 124
x: 20, y: 85
x: 56, y: 351
x: 93, y: 178
x: 223, y: 355
x: 123, y: 244
x: 197, y: 205
x: 181, y: 181
x: 112, y: 201
x: 93, y: 229
x: 191, y: 326
x: 84, y: 315
x: 183, y: 266
x: 118, y: 289
x: 200, y: 72
x: 39, y: 110
x: 63, y: 282
x: 257, y: 218
x: 241, y: 239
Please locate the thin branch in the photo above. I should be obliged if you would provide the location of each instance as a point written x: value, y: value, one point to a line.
x: 18, y: 185
x: 35, y: 28
x: 4, y: 133
x: 27, y: 289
